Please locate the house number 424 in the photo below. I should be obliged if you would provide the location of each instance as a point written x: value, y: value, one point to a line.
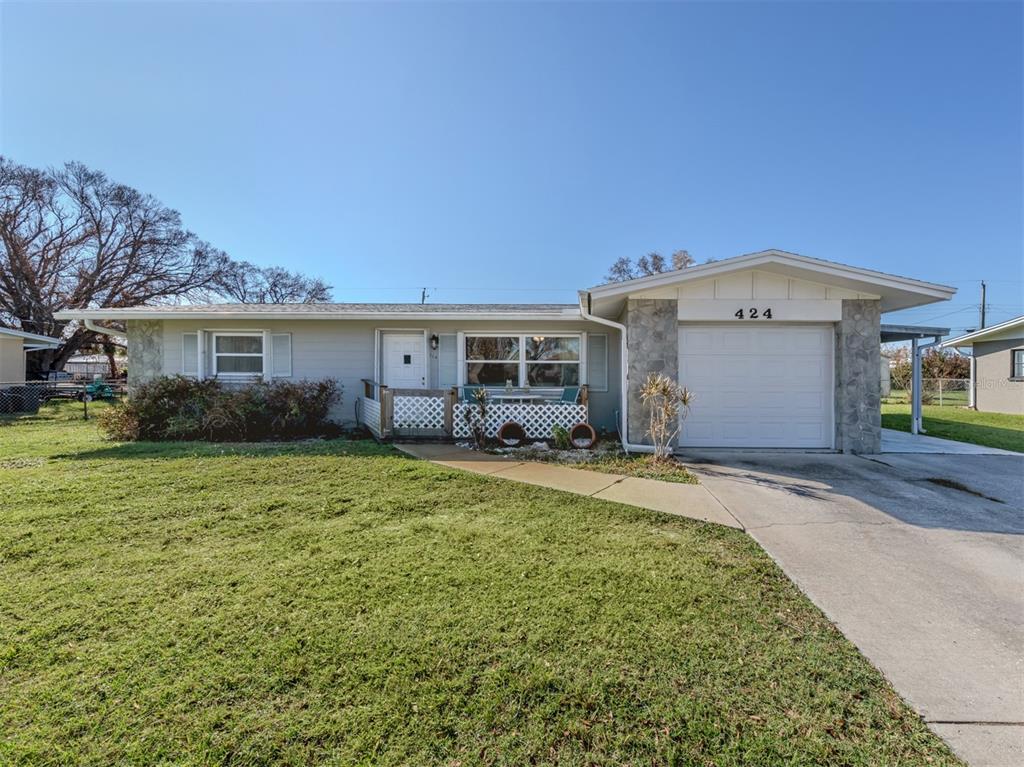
x: 753, y: 313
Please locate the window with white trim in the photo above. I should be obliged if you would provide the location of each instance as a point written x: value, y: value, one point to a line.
x: 237, y: 354
x: 520, y: 360
x: 1018, y: 363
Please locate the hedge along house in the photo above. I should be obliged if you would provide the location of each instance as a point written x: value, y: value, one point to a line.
x: 780, y: 350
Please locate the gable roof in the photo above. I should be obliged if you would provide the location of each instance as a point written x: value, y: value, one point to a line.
x: 1010, y: 329
x: 331, y: 311
x: 896, y: 292
x: 31, y: 339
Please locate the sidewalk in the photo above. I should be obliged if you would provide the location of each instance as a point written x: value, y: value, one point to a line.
x: 693, y: 501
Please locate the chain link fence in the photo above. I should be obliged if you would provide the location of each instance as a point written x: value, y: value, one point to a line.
x: 945, y: 392
x: 26, y: 397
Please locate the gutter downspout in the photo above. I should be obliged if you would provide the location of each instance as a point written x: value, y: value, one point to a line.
x: 623, y: 376
x: 915, y: 404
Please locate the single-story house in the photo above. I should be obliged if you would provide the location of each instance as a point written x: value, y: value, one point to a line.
x: 997, y: 366
x: 780, y: 350
x: 14, y: 345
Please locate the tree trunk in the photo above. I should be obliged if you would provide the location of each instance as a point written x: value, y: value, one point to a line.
x: 108, y: 349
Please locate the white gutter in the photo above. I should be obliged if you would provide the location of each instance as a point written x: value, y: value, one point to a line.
x: 915, y: 385
x: 97, y: 328
x: 624, y: 378
x: 130, y: 314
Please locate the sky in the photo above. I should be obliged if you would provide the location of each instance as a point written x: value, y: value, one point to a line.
x: 511, y: 152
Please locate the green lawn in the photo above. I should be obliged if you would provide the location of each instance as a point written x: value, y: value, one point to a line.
x: 991, y: 429
x: 336, y: 603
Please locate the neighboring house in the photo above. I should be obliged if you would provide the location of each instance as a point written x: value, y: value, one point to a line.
x: 780, y: 350
x: 90, y: 365
x: 997, y: 366
x: 14, y: 345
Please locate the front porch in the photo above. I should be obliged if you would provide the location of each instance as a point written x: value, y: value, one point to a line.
x: 391, y: 413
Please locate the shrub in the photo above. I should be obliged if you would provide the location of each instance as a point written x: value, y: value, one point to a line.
x: 667, y: 405
x: 560, y: 437
x: 179, y: 408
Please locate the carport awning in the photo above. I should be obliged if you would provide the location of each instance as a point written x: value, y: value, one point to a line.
x: 892, y: 333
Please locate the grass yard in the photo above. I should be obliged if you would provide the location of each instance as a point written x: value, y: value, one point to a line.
x: 336, y: 603
x: 991, y: 429
x: 609, y: 462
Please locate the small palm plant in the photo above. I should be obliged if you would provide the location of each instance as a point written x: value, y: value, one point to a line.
x: 667, y: 405
x: 477, y: 421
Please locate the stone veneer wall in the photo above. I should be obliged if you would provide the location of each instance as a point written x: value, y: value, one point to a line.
x: 858, y: 383
x: 652, y: 337
x: 145, y: 351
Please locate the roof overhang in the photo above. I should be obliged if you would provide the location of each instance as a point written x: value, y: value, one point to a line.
x: 895, y: 292
x: 151, y: 313
x: 891, y: 333
x: 1010, y: 329
x: 31, y: 341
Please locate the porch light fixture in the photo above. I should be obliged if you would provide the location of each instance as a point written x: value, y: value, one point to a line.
x: 434, y: 341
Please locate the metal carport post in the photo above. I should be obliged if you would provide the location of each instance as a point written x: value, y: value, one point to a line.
x: 914, y: 334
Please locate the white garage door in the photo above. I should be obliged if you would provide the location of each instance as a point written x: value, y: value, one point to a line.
x: 757, y: 386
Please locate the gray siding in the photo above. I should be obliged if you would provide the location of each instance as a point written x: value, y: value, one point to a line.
x: 995, y: 392
x: 343, y: 350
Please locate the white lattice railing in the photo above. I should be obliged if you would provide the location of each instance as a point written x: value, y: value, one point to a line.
x: 536, y: 418
x: 419, y: 413
x: 369, y: 415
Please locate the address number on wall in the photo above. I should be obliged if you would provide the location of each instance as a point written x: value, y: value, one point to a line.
x: 753, y: 313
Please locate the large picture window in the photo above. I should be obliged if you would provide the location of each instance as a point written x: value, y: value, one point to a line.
x: 535, y: 360
x: 238, y: 354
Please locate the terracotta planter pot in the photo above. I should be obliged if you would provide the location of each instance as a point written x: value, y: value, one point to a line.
x: 511, y: 434
x: 583, y: 436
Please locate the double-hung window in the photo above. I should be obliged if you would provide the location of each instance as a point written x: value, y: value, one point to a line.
x: 534, y: 360
x: 1018, y: 363
x: 237, y: 354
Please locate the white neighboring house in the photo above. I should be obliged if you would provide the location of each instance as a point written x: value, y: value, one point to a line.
x: 14, y: 345
x: 780, y: 350
x: 997, y: 366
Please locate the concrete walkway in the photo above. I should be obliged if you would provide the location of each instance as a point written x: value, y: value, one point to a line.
x: 904, y: 442
x: 693, y: 501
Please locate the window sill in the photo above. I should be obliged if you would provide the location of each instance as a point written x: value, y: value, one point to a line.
x: 1015, y: 379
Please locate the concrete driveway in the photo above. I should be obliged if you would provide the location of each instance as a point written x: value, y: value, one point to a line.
x: 918, y: 559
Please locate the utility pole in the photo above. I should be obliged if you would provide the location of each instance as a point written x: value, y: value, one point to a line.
x: 982, y: 305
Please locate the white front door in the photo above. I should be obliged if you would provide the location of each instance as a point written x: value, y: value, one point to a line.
x: 403, y: 364
x: 757, y: 385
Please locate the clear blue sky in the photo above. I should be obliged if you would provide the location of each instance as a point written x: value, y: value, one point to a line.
x: 511, y: 152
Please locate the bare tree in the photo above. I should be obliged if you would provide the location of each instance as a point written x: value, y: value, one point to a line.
x: 681, y: 259
x: 250, y: 284
x: 72, y: 239
x: 653, y: 263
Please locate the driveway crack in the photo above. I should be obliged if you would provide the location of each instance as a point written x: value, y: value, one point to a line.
x: 831, y: 522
